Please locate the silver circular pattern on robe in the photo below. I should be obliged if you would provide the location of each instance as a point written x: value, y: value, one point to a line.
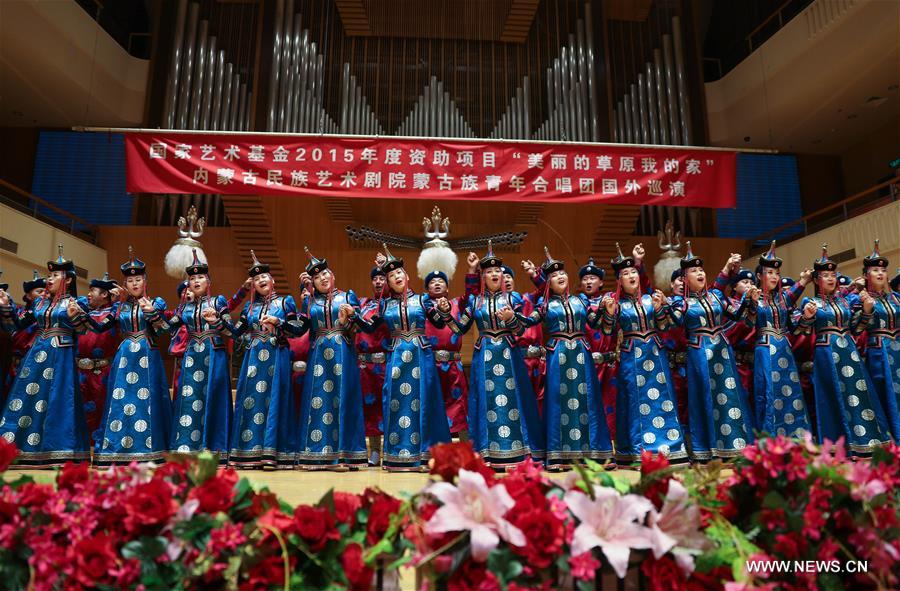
x: 41, y: 356
x: 395, y: 372
x: 853, y: 400
x: 199, y: 375
x: 318, y: 370
x: 640, y: 380
x: 416, y: 372
x: 722, y: 398
x: 572, y: 373
x: 187, y: 448
x: 501, y: 400
x: 143, y: 393
x: 788, y: 419
x: 24, y: 422
x: 406, y: 356
x: 129, y: 409
x: 316, y: 402
x: 513, y: 414
x: 131, y: 377
x: 638, y: 353
x: 511, y: 384
x: 32, y: 388
x: 659, y: 422
x: 719, y: 369
x: 786, y: 391
x: 15, y: 404
x: 395, y: 405
x: 709, y: 354
x: 328, y: 353
x: 316, y: 435
x: 730, y: 383
x: 847, y: 371
x: 644, y: 409
x: 778, y: 404
x: 48, y: 373
x: 115, y: 426
x: 573, y: 404
x: 672, y: 434
x: 248, y: 402
x: 10, y: 437
x: 564, y: 389
x: 562, y: 358
x: 575, y: 434
x: 739, y: 443
x: 868, y: 414
x: 488, y: 355
x: 251, y: 371
x: 783, y: 363
x: 394, y: 438
x: 328, y: 386
x: 327, y: 418
x: 40, y: 405
x: 734, y: 413
x: 489, y: 385
x: 797, y: 404
x: 499, y: 369
x: 338, y: 369
x: 859, y: 430
x: 667, y: 406
x: 140, y: 425
x: 187, y: 391
x: 189, y: 362
x: 127, y: 442
x: 861, y: 385
x: 503, y: 431
x: 648, y: 365
x: 725, y: 429
x: 246, y: 435
x: 649, y: 438
x: 195, y: 435
x: 404, y: 422
x: 652, y: 393
x: 414, y: 405
x: 197, y: 405
x: 199, y: 347
x: 564, y: 420
x: 262, y: 386
x: 185, y: 420
x: 259, y: 418
x: 405, y: 389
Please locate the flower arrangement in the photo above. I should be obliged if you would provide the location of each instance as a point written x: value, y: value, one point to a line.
x: 186, y: 524
x: 181, y: 525
x: 801, y: 502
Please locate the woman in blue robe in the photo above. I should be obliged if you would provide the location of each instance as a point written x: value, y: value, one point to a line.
x: 265, y: 428
x: 202, y: 409
x: 720, y: 422
x: 504, y: 424
x: 574, y: 419
x: 413, y: 405
x: 883, y: 338
x: 847, y: 403
x: 778, y: 396
x: 332, y: 431
x: 646, y: 404
x: 138, y: 411
x: 44, y: 412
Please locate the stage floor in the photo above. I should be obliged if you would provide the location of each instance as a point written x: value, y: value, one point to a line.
x: 299, y: 486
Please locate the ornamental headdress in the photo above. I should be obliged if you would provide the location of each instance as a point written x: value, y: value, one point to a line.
x: 621, y: 261
x: 875, y: 259
x: 315, y: 265
x: 769, y: 259
x: 197, y: 267
x: 690, y: 260
x: 590, y: 268
x: 257, y: 268
x: 36, y: 282
x: 490, y: 259
x: 391, y: 262
x: 133, y: 266
x: 550, y: 264
x: 824, y: 262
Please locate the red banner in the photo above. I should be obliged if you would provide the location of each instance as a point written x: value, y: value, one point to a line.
x: 427, y: 169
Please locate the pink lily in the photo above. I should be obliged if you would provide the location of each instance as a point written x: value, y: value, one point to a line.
x: 676, y: 527
x: 475, y: 507
x: 612, y: 522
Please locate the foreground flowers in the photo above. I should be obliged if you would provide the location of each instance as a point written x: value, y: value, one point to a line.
x: 188, y: 525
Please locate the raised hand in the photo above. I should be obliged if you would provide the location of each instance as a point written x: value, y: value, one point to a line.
x: 472, y: 260
x: 146, y: 304
x: 638, y: 253
x: 529, y: 268
x: 505, y: 314
x: 805, y: 276
x: 809, y: 310
x: 209, y: 315
x: 346, y: 312
x: 73, y: 309
x: 868, y: 302
x: 4, y: 298
x: 443, y: 305
x: 305, y: 280
x: 380, y: 259
x: 659, y: 300
x: 734, y: 262
x: 859, y: 284
x: 610, y: 305
x: 248, y: 284
x: 116, y: 293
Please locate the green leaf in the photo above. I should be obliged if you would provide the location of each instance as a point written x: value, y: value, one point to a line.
x: 205, y: 468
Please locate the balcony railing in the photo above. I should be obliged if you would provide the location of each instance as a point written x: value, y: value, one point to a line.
x: 46, y: 212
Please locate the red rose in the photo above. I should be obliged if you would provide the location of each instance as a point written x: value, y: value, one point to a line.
x: 663, y: 574
x: 217, y: 493
x: 449, y: 458
x: 359, y: 576
x: 267, y: 573
x: 8, y: 453
x: 315, y: 526
x: 473, y: 576
x: 544, y: 534
x: 261, y: 502
x: 72, y: 474
x: 655, y: 487
x: 32, y: 494
x: 345, y: 507
x: 149, y: 505
x: 380, y: 517
x: 526, y: 492
x: 94, y: 559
